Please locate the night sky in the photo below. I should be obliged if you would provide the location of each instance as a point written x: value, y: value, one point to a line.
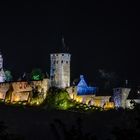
x: 100, y: 35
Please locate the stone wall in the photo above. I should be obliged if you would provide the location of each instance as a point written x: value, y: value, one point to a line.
x: 4, y: 87
x: 99, y: 101
x: 22, y: 91
x: 60, y: 70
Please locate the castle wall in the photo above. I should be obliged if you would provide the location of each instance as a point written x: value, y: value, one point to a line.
x: 20, y: 91
x: 20, y: 96
x: 99, y: 101
x: 4, y: 87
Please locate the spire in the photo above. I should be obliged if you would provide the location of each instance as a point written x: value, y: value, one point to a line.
x: 64, y: 47
x: 63, y: 43
x: 82, y: 82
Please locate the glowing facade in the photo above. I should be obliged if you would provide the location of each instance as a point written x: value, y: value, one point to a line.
x: 2, y: 74
x: 60, y: 70
x: 23, y: 91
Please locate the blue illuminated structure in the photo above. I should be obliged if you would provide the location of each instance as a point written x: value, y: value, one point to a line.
x: 84, y: 89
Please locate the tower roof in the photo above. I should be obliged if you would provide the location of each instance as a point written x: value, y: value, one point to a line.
x: 61, y: 46
x: 82, y: 82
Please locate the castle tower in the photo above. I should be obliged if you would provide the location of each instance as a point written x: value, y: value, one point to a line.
x: 1, y: 61
x: 120, y: 96
x: 60, y: 69
x: 2, y: 74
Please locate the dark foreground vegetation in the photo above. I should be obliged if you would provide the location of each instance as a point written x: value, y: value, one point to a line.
x: 42, y: 124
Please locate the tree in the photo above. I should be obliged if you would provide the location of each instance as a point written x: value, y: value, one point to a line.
x: 74, y: 133
x: 8, y: 75
x: 129, y: 128
x: 37, y: 74
x: 5, y: 135
x: 58, y: 99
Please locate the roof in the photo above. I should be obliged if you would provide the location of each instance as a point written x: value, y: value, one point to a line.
x: 82, y: 82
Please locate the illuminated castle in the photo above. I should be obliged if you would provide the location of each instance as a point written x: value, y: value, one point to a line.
x: 2, y: 74
x: 60, y: 69
x: 24, y: 91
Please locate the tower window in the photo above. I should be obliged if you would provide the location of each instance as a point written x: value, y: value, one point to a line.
x: 62, y: 61
x: 67, y: 62
x: 62, y: 54
x: 52, y: 77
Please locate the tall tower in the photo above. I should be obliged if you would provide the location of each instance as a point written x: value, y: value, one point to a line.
x: 60, y: 69
x: 2, y: 74
x: 1, y: 61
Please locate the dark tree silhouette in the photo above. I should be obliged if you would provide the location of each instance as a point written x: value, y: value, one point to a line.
x: 5, y: 135
x: 74, y: 133
x: 130, y: 126
x: 37, y: 74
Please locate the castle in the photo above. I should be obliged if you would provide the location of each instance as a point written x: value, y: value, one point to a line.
x: 22, y: 91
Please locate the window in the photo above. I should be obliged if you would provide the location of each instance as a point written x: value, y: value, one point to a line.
x: 62, y: 61
x: 52, y: 77
x: 62, y: 54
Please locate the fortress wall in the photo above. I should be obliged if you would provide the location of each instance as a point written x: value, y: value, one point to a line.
x: 20, y: 96
x: 99, y: 101
x: 21, y: 90
x: 4, y: 87
x: 21, y: 86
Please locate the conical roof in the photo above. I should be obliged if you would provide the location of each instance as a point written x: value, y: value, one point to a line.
x: 82, y: 82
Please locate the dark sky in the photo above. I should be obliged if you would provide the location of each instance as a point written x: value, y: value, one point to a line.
x: 100, y: 35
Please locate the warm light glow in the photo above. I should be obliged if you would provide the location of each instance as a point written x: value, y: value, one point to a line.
x: 109, y: 105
